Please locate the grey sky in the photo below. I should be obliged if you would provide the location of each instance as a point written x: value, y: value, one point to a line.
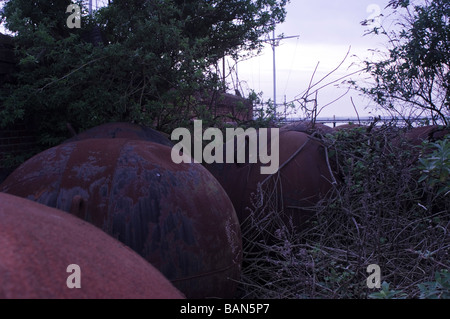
x: 327, y: 29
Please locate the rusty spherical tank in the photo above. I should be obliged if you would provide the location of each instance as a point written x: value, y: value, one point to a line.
x: 178, y: 217
x: 303, y: 179
x: 123, y: 130
x: 417, y: 135
x: 308, y: 127
x: 48, y: 254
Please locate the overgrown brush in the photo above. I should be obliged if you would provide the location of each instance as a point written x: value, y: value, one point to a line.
x: 391, y: 208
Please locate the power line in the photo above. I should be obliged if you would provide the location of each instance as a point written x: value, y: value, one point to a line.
x: 290, y: 69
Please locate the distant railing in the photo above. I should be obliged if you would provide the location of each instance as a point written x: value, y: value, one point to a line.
x: 361, y: 120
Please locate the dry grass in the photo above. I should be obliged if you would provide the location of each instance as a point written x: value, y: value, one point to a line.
x: 378, y: 214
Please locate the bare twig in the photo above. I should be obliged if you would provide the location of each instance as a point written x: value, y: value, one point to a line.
x: 69, y: 74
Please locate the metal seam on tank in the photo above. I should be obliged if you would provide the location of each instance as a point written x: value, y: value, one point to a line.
x: 137, y: 213
x: 73, y: 147
x: 228, y: 225
x: 191, y: 173
x: 127, y: 148
x: 110, y: 187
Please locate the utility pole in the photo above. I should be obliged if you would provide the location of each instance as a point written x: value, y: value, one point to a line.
x: 274, y: 43
x: 274, y: 71
x: 96, y: 6
x: 224, y: 74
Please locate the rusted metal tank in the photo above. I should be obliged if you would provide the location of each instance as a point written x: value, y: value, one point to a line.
x: 123, y: 130
x: 39, y: 243
x: 303, y: 179
x: 347, y: 127
x: 178, y: 217
x: 308, y: 127
x: 431, y: 133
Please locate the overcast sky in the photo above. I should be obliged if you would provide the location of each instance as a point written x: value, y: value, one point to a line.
x: 326, y: 29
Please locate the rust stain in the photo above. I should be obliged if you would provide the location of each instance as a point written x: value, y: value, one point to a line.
x: 37, y: 243
x: 304, y: 177
x: 178, y: 217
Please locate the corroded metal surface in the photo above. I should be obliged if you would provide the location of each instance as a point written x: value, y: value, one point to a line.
x: 123, y: 130
x: 38, y: 243
x: 303, y: 179
x: 178, y: 217
x: 308, y: 127
x: 432, y: 133
x: 347, y: 127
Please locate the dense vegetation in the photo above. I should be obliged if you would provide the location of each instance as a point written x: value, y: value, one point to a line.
x: 153, y: 65
x: 392, y: 205
x: 391, y: 208
x: 413, y: 78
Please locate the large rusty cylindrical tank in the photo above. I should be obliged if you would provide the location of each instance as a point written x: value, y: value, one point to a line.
x: 178, y: 217
x: 123, y: 130
x: 304, y: 177
x: 49, y: 254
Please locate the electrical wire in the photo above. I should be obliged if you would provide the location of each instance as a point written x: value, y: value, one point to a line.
x: 292, y: 64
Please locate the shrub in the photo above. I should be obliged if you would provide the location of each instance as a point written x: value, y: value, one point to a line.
x: 382, y: 212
